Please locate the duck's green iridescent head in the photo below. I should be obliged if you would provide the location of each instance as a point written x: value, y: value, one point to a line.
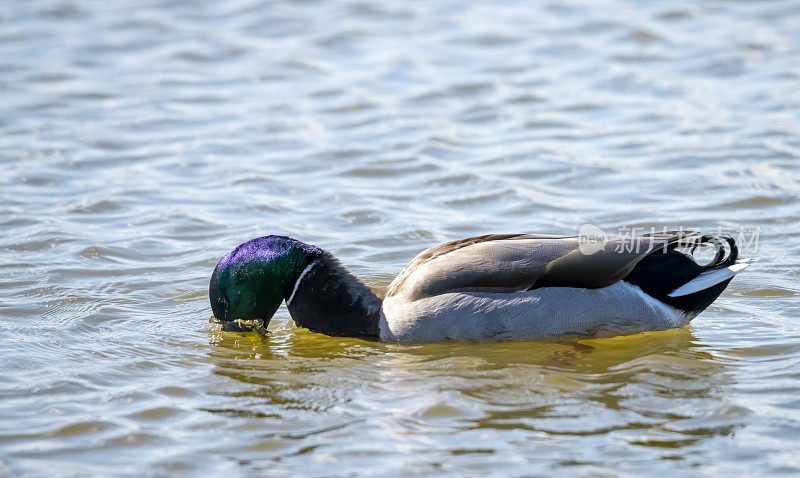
x: 252, y: 280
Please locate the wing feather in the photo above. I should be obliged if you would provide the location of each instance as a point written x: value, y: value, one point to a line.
x: 515, y: 262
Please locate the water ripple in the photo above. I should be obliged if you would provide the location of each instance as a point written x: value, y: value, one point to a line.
x: 140, y: 142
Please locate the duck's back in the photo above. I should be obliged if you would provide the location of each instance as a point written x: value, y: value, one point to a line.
x: 519, y: 286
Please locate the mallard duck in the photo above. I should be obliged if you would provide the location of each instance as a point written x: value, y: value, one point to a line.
x: 487, y: 288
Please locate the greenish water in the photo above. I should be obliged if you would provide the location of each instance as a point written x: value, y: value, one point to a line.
x: 140, y: 141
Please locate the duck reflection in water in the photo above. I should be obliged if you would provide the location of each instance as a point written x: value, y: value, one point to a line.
x: 664, y: 388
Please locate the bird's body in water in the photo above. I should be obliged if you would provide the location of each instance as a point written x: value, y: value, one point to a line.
x: 487, y: 288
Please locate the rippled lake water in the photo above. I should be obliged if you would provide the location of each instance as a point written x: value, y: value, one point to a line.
x: 140, y: 141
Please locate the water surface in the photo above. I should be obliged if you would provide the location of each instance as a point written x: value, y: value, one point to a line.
x: 140, y: 141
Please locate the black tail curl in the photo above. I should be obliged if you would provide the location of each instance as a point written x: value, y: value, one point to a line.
x: 664, y: 270
x: 720, y: 259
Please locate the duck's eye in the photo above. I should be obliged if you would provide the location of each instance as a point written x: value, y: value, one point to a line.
x: 223, y: 302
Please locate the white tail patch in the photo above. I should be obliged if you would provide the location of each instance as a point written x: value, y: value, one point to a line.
x: 711, y: 278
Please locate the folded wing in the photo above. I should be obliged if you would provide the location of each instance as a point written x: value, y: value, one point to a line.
x: 515, y: 262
